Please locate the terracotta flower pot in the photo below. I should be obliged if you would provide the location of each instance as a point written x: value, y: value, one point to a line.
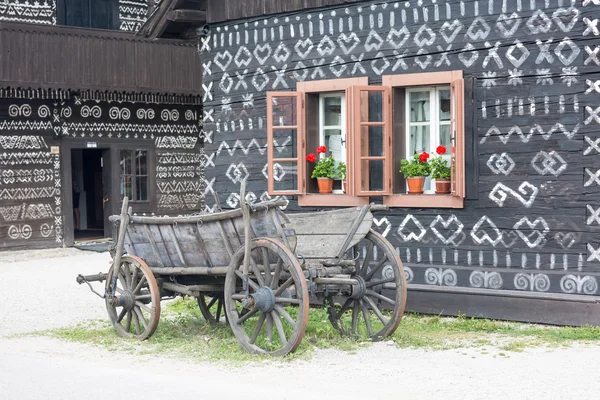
x: 442, y: 186
x: 325, y: 185
x: 415, y: 184
x: 344, y: 183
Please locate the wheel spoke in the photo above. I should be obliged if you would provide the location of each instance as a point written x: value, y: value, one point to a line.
x: 276, y: 274
x: 381, y: 297
x: 380, y: 282
x: 367, y: 317
x: 377, y: 268
x: 119, y: 290
x: 140, y: 317
x: 245, y: 317
x: 266, y: 266
x: 212, y: 302
x: 252, y: 284
x: 261, y: 321
x: 355, y: 311
x: 121, y: 315
x: 377, y: 311
x: 128, y: 322
x: 256, y: 271
x: 134, y: 276
x: 143, y: 307
x: 285, y: 285
x: 345, y: 307
x: 122, y: 279
x: 269, y: 327
x: 140, y: 284
x: 279, y: 327
x: 136, y: 324
x: 219, y: 307
x: 366, y: 261
x: 285, y: 315
x: 286, y: 300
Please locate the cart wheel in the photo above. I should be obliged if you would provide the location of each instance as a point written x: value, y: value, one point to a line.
x: 207, y: 302
x: 275, y: 282
x: 377, y: 304
x: 135, y: 310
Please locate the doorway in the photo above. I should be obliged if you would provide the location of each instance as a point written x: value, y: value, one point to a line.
x: 88, y: 192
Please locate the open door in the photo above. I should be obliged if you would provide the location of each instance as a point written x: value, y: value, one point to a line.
x: 107, y: 201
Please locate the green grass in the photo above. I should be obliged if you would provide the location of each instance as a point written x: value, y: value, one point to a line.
x: 182, y: 332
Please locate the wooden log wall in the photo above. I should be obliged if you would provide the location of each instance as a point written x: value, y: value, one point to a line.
x: 31, y: 190
x: 132, y: 13
x: 531, y: 220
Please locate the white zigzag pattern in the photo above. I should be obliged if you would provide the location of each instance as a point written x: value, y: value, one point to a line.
x: 27, y: 125
x: 22, y: 142
x: 118, y: 127
x: 179, y: 186
x: 26, y: 158
x: 253, y: 143
x: 27, y: 193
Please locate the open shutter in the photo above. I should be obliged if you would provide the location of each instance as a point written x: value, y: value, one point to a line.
x: 458, y: 138
x: 285, y: 144
x: 372, y: 144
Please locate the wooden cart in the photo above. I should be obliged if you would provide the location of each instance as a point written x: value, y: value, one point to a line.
x: 257, y: 269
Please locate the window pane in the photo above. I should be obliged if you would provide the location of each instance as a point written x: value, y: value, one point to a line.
x: 141, y: 162
x: 419, y: 106
x: 444, y: 105
x: 333, y: 142
x: 285, y: 176
x: 126, y: 162
x: 371, y: 141
x: 445, y: 136
x: 372, y: 175
x: 371, y: 106
x: 126, y: 186
x: 332, y: 111
x: 284, y: 143
x: 419, y: 139
x: 284, y: 111
x: 141, y: 188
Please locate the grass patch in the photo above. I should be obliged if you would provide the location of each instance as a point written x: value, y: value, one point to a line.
x: 182, y: 332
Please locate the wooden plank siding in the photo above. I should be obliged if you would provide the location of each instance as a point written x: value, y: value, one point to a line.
x: 87, y: 59
x: 531, y: 221
x: 223, y: 10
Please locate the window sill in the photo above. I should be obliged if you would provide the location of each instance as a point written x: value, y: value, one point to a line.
x: 423, y: 201
x: 331, y: 200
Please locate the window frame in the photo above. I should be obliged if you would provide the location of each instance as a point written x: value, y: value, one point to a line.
x: 353, y: 87
x: 133, y: 175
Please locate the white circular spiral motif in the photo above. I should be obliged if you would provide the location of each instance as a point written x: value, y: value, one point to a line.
x: 175, y: 115
x: 96, y: 112
x: 13, y: 232
x: 408, y: 273
x: 440, y: 277
x: 85, y: 111
x: 20, y: 232
x: 26, y: 110
x: 14, y: 110
x: 579, y: 284
x: 67, y: 112
x: 141, y: 113
x: 165, y: 115
x: 533, y: 282
x: 189, y: 115
x: 46, y: 230
x: 44, y: 111
x: 125, y: 113
x: 490, y: 280
x: 114, y: 113
x: 26, y: 231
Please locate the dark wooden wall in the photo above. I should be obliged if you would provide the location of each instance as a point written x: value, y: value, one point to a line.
x: 32, y: 193
x: 131, y: 14
x: 223, y: 10
x: 531, y: 219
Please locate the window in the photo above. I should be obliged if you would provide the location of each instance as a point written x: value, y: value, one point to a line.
x: 99, y: 14
x: 371, y: 128
x: 134, y: 175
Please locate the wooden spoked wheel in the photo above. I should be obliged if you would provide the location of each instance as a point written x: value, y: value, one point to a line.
x: 212, y: 307
x: 135, y: 309
x: 376, y: 306
x: 272, y: 319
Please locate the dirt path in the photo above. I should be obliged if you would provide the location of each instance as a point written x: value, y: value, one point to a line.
x: 47, y: 296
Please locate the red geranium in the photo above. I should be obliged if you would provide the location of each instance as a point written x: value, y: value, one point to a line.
x: 311, y: 157
x: 441, y: 150
x: 321, y: 149
x: 423, y: 157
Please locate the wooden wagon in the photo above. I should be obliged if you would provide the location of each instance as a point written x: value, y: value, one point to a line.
x: 257, y: 269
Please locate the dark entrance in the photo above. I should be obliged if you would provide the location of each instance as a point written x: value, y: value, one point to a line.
x: 89, y: 170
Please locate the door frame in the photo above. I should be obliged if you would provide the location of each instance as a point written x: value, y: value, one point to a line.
x: 69, y: 144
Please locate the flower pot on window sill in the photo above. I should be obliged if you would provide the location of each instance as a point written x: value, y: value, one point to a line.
x: 442, y: 186
x: 415, y: 184
x: 325, y: 185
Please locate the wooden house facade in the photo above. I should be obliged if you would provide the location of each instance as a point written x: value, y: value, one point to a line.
x: 90, y: 113
x: 511, y: 87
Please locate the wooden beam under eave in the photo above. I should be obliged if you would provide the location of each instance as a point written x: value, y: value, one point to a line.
x: 188, y: 16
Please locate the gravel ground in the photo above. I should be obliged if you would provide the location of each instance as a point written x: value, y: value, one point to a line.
x: 40, y: 292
